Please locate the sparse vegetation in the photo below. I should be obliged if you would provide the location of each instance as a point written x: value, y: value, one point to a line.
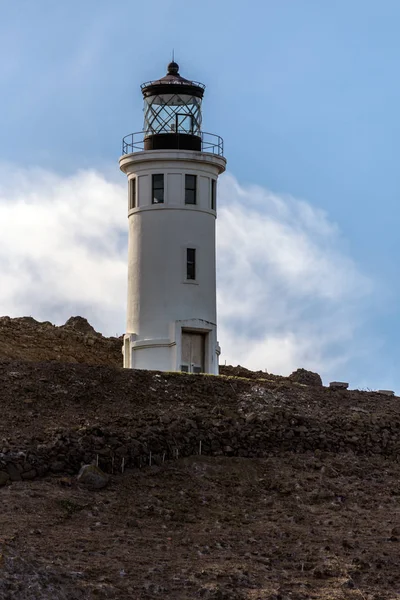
x: 70, y: 507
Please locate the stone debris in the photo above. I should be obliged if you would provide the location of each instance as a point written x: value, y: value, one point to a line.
x: 300, y: 376
x: 93, y: 477
x: 81, y: 414
x: 338, y: 385
x: 4, y: 478
x: 208, y: 527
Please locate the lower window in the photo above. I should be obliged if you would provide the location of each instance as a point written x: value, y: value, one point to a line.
x: 191, y: 263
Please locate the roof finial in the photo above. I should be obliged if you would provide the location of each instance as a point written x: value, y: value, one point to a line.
x: 173, y: 67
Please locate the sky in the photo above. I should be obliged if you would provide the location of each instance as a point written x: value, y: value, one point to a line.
x: 305, y: 95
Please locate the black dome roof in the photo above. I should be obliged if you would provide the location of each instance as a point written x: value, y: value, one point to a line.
x: 173, y: 68
x: 173, y: 78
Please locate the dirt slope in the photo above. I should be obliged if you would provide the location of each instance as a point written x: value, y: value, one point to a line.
x: 201, y: 527
x: 296, y: 494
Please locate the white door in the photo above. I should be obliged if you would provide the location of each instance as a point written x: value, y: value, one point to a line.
x: 193, y: 345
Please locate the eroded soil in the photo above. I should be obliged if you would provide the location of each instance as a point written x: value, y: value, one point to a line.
x: 290, y: 527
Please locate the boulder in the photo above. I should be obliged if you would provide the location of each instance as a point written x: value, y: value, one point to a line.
x: 338, y: 385
x: 13, y: 472
x: 80, y: 324
x: 4, y: 478
x: 306, y: 377
x: 93, y: 477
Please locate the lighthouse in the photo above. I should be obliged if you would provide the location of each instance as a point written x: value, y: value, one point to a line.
x: 172, y: 167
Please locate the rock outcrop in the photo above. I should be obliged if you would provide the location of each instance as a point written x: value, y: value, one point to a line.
x: 306, y: 377
x: 75, y: 342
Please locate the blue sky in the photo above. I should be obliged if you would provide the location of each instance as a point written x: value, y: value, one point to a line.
x: 304, y: 93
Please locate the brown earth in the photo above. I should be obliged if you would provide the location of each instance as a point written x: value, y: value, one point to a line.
x: 296, y: 494
x: 75, y: 342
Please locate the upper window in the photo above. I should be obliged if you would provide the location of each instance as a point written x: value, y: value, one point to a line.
x: 213, y: 194
x: 158, y: 189
x: 190, y: 263
x: 190, y: 189
x: 132, y: 193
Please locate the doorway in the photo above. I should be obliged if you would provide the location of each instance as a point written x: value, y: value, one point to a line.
x: 184, y: 123
x: 193, y: 352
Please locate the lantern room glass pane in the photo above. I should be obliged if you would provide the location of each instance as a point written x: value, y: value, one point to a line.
x: 172, y: 113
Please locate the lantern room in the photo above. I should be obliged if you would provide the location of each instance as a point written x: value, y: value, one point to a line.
x: 172, y: 112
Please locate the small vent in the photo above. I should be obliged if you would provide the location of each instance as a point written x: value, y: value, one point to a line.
x: 184, y: 369
x: 197, y: 370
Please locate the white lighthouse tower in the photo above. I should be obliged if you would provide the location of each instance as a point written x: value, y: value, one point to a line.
x: 172, y: 168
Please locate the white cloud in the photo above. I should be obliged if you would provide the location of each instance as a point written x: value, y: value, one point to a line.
x: 60, y: 247
x: 288, y: 294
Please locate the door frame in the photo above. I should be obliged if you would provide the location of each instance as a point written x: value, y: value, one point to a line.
x: 211, y: 347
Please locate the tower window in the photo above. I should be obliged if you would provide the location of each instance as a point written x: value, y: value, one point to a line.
x: 190, y: 263
x: 213, y: 194
x: 132, y: 193
x: 158, y: 189
x: 190, y: 189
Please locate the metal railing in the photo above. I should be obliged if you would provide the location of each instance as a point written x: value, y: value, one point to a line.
x: 134, y: 142
x: 173, y: 82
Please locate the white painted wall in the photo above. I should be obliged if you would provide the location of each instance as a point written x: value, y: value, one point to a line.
x: 160, y: 300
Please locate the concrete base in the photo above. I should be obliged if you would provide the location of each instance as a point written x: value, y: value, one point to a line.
x: 166, y: 354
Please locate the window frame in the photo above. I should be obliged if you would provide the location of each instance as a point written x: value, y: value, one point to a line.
x: 191, y: 266
x: 191, y: 189
x: 132, y: 193
x: 154, y: 188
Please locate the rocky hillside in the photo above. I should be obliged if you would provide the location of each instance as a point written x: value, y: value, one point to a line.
x: 243, y: 486
x: 75, y: 342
